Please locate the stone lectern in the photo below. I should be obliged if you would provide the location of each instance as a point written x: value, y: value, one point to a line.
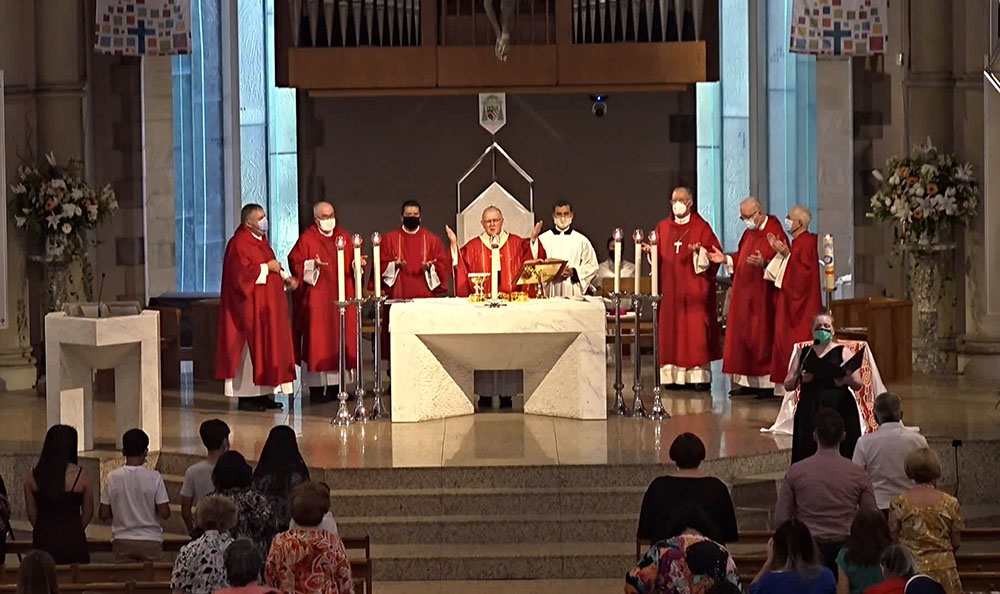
x: 79, y: 342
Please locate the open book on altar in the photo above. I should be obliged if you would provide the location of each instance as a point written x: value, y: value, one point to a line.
x: 540, y: 272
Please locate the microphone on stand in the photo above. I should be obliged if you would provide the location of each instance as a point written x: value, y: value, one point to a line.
x: 100, y: 291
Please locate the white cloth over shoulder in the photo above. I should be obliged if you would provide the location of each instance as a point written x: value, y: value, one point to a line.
x: 576, y: 249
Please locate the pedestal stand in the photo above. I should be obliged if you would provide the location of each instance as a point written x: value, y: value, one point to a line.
x: 657, y: 414
x: 343, y: 416
x: 376, y: 412
x: 638, y: 409
x: 360, y: 412
x: 619, y: 406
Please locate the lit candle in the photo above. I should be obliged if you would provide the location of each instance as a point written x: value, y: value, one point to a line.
x: 829, y: 275
x: 618, y: 260
x: 341, y: 244
x: 654, y: 255
x: 495, y: 267
x: 377, y: 270
x: 637, y: 238
x: 357, y: 266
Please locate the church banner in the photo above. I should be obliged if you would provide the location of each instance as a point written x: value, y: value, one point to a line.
x: 143, y: 27
x: 492, y: 111
x: 839, y: 27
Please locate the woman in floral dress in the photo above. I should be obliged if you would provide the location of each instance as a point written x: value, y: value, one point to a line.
x: 231, y: 478
x: 199, y: 567
x: 928, y: 522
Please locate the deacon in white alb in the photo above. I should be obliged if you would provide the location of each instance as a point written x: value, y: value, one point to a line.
x: 565, y: 243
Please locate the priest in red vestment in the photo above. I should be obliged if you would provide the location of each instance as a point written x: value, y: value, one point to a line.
x: 254, y: 355
x: 689, y: 326
x: 316, y: 320
x: 750, y: 323
x: 476, y: 256
x: 413, y: 264
x: 795, y: 273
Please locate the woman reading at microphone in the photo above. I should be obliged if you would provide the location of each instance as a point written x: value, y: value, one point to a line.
x: 824, y: 382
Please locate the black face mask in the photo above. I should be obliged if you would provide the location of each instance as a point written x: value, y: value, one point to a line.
x: 411, y: 223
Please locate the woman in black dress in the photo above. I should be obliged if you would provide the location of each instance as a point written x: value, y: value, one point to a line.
x: 280, y: 468
x: 814, y: 371
x: 59, y: 500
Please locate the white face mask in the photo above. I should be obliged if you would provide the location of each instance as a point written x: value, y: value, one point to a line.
x: 262, y: 225
x: 562, y: 223
x: 751, y: 225
x: 327, y: 225
x: 680, y: 209
x: 789, y: 225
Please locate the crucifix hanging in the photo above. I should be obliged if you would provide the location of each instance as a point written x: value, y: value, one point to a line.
x: 677, y: 246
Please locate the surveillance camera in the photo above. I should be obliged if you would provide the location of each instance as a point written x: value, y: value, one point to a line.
x: 600, y: 106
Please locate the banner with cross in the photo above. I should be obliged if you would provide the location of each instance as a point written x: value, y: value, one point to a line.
x: 143, y: 27
x: 839, y: 27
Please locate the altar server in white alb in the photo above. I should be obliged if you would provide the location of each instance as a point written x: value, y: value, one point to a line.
x: 563, y: 242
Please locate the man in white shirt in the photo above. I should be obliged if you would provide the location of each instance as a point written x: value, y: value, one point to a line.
x: 883, y: 452
x: 198, y: 476
x: 134, y: 500
x: 565, y: 243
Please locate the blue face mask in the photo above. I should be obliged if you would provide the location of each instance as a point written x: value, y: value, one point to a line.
x: 822, y: 336
x: 262, y: 225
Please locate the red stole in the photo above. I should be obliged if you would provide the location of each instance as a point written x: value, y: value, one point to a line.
x: 414, y: 249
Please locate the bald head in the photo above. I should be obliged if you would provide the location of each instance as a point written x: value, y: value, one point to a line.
x: 492, y: 221
x: 681, y: 201
x: 752, y: 213
x: 800, y: 217
x: 323, y: 210
x: 750, y: 205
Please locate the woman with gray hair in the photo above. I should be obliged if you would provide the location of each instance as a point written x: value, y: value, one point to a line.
x: 199, y: 567
x: 901, y: 576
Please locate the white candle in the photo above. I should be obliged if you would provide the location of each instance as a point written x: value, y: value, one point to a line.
x: 829, y: 274
x: 654, y: 255
x: 341, y: 244
x: 618, y: 260
x: 377, y: 270
x: 637, y: 238
x: 495, y: 268
x: 357, y: 266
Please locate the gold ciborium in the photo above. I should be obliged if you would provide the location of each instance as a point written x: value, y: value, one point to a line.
x: 478, y: 280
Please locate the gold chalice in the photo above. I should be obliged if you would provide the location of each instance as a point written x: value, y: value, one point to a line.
x: 478, y: 280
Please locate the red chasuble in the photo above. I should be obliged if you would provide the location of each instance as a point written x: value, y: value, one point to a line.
x: 414, y: 249
x: 476, y: 256
x: 798, y: 303
x: 750, y: 324
x: 253, y: 315
x: 316, y: 319
x: 689, y: 325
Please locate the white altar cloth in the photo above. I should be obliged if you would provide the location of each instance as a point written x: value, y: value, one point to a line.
x: 437, y: 344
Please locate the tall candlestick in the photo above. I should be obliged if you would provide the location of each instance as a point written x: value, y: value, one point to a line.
x: 829, y: 274
x: 357, y: 266
x: 341, y: 244
x: 654, y: 255
x: 377, y: 270
x: 637, y: 238
x: 495, y: 267
x: 618, y: 260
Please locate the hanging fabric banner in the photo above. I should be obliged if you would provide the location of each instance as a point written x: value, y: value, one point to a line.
x: 143, y: 27
x: 839, y: 27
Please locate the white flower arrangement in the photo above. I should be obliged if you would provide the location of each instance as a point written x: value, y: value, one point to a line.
x: 924, y: 194
x: 56, y: 204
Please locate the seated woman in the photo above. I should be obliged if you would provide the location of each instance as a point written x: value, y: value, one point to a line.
x: 901, y: 575
x: 687, y: 485
x: 928, y: 522
x: 231, y: 478
x: 243, y: 569
x: 685, y: 563
x: 793, y: 564
x: 198, y: 568
x: 309, y: 558
x: 858, y: 562
x: 815, y: 371
x: 37, y: 574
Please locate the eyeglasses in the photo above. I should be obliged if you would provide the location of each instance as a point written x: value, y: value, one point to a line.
x: 492, y: 221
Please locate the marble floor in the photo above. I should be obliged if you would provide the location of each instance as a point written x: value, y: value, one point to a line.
x: 946, y: 407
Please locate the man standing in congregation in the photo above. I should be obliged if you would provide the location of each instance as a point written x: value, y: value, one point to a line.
x: 254, y: 353
x: 689, y: 327
x: 476, y: 256
x: 413, y: 263
x: 566, y: 243
x: 316, y: 322
x: 795, y: 273
x: 750, y: 324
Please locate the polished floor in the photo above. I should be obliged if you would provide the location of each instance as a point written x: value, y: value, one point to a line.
x: 947, y: 407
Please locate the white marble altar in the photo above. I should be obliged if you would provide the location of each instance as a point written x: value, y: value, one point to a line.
x: 437, y: 344
x: 76, y: 346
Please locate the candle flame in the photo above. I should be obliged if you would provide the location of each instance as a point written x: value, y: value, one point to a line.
x: 357, y: 240
x: 618, y: 234
x: 828, y: 236
x: 341, y: 242
x: 376, y: 238
x: 653, y: 237
x: 637, y: 236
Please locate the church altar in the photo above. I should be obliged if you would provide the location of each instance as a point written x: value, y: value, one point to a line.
x: 438, y: 344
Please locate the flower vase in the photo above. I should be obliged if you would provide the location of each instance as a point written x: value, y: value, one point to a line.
x: 927, y: 288
x: 55, y: 274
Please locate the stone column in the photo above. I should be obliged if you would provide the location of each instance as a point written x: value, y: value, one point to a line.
x: 835, y: 163
x: 158, y: 175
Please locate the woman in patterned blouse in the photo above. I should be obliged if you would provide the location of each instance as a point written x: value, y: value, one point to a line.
x: 280, y: 468
x: 231, y: 478
x: 308, y: 558
x: 199, y: 567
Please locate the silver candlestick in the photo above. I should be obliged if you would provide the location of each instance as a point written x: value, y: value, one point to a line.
x: 658, y: 413
x: 619, y: 407
x: 343, y: 416
x: 638, y: 410
x: 360, y: 412
x: 376, y: 412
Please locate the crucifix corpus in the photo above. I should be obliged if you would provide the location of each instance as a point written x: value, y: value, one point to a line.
x: 501, y: 28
